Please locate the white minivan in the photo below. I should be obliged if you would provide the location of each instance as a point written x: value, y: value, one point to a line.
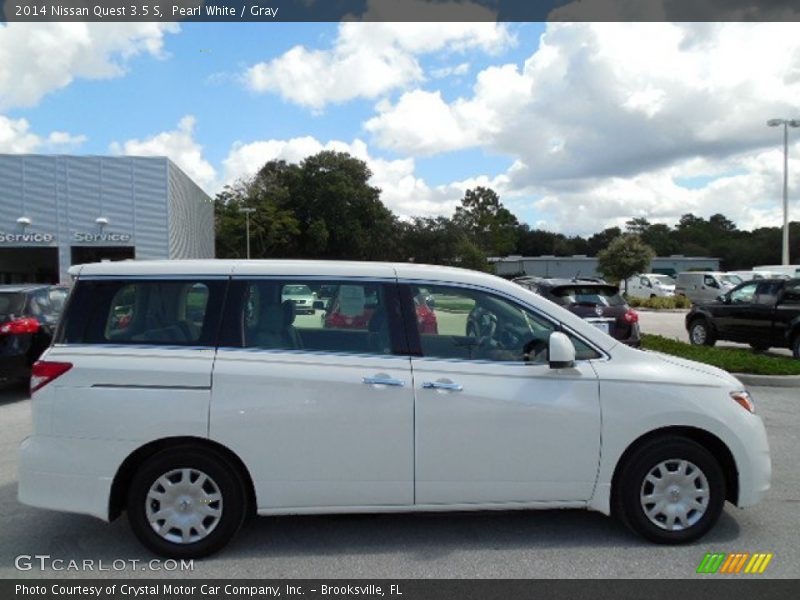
x: 190, y: 394
x: 649, y: 285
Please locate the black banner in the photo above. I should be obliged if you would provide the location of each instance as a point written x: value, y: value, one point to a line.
x: 398, y: 10
x: 438, y: 589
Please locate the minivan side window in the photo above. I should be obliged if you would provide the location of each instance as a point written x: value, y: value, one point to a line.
x: 468, y: 324
x: 336, y: 316
x: 145, y: 312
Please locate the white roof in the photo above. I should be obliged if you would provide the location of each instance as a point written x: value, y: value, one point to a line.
x: 323, y: 268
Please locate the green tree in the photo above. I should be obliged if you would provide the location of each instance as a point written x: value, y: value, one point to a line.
x: 273, y: 227
x: 341, y: 215
x: 624, y: 257
x: 490, y: 225
x: 440, y: 241
x: 637, y: 225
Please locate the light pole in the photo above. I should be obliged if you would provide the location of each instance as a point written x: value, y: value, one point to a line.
x: 247, y: 212
x: 786, y: 124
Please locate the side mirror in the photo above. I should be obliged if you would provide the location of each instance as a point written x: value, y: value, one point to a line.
x: 722, y: 298
x: 561, y: 353
x: 319, y: 305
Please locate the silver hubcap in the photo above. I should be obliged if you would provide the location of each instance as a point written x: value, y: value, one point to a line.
x: 675, y: 494
x: 184, y: 506
x: 699, y: 334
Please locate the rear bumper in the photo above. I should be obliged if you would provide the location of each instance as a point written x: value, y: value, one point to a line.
x: 69, y: 474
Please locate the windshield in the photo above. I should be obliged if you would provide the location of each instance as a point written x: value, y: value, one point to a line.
x: 296, y: 290
x: 731, y: 279
x: 589, y: 294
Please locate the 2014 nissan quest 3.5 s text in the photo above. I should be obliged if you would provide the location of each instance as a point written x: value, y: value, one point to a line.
x: 189, y: 394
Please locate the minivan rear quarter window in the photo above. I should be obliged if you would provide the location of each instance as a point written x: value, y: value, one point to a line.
x: 148, y: 312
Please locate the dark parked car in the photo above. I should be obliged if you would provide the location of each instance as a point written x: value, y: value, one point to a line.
x: 599, y: 303
x: 28, y: 317
x: 764, y: 314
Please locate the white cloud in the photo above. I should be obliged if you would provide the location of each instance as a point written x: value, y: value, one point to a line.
x: 603, y: 115
x: 36, y: 59
x: 455, y: 70
x: 180, y: 146
x: 16, y: 137
x: 368, y: 60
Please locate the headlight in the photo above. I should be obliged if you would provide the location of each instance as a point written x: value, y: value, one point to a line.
x: 743, y: 399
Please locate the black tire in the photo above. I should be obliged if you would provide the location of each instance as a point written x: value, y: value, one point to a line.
x: 631, y: 481
x: 232, y: 505
x: 796, y: 346
x: 707, y: 338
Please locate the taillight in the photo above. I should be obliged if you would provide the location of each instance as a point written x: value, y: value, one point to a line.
x: 17, y: 326
x: 631, y: 316
x: 45, y: 371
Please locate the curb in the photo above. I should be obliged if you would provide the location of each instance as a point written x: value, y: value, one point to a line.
x: 782, y: 381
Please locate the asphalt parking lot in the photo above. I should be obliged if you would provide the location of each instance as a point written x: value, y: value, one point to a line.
x: 558, y: 544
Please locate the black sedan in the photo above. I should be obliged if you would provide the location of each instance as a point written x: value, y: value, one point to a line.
x: 28, y: 317
x: 595, y: 301
x: 763, y: 313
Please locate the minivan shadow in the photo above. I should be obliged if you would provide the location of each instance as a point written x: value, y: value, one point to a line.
x: 428, y: 536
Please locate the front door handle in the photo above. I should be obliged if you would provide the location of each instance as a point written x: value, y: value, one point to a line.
x: 382, y: 380
x: 441, y: 385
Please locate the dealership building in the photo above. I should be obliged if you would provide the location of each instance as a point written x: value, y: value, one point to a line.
x: 58, y: 211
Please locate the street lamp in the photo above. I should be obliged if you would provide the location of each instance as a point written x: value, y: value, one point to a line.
x: 247, y: 212
x: 786, y: 124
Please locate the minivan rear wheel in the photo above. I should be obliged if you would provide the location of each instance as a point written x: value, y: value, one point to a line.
x: 701, y: 334
x: 670, y: 490
x: 186, y: 503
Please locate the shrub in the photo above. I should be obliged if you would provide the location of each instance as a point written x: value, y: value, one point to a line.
x: 735, y: 360
x: 659, y: 302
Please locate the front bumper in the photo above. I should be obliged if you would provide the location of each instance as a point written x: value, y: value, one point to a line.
x: 755, y: 468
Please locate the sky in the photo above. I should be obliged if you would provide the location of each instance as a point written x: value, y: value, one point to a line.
x: 577, y: 126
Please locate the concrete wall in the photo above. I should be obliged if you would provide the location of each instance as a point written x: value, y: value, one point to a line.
x: 149, y: 199
x: 191, y: 217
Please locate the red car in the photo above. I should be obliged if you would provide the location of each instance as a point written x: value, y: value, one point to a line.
x: 335, y: 319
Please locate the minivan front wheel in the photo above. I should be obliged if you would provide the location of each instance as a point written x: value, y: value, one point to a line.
x: 670, y: 491
x: 186, y: 503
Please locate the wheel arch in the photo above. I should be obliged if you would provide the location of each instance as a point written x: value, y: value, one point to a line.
x: 126, y: 471
x: 706, y: 439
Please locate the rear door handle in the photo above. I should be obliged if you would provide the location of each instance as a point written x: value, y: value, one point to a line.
x: 378, y: 380
x: 441, y: 385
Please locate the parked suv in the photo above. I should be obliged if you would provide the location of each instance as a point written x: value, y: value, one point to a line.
x: 28, y: 317
x: 598, y: 303
x: 544, y: 411
x: 763, y: 313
